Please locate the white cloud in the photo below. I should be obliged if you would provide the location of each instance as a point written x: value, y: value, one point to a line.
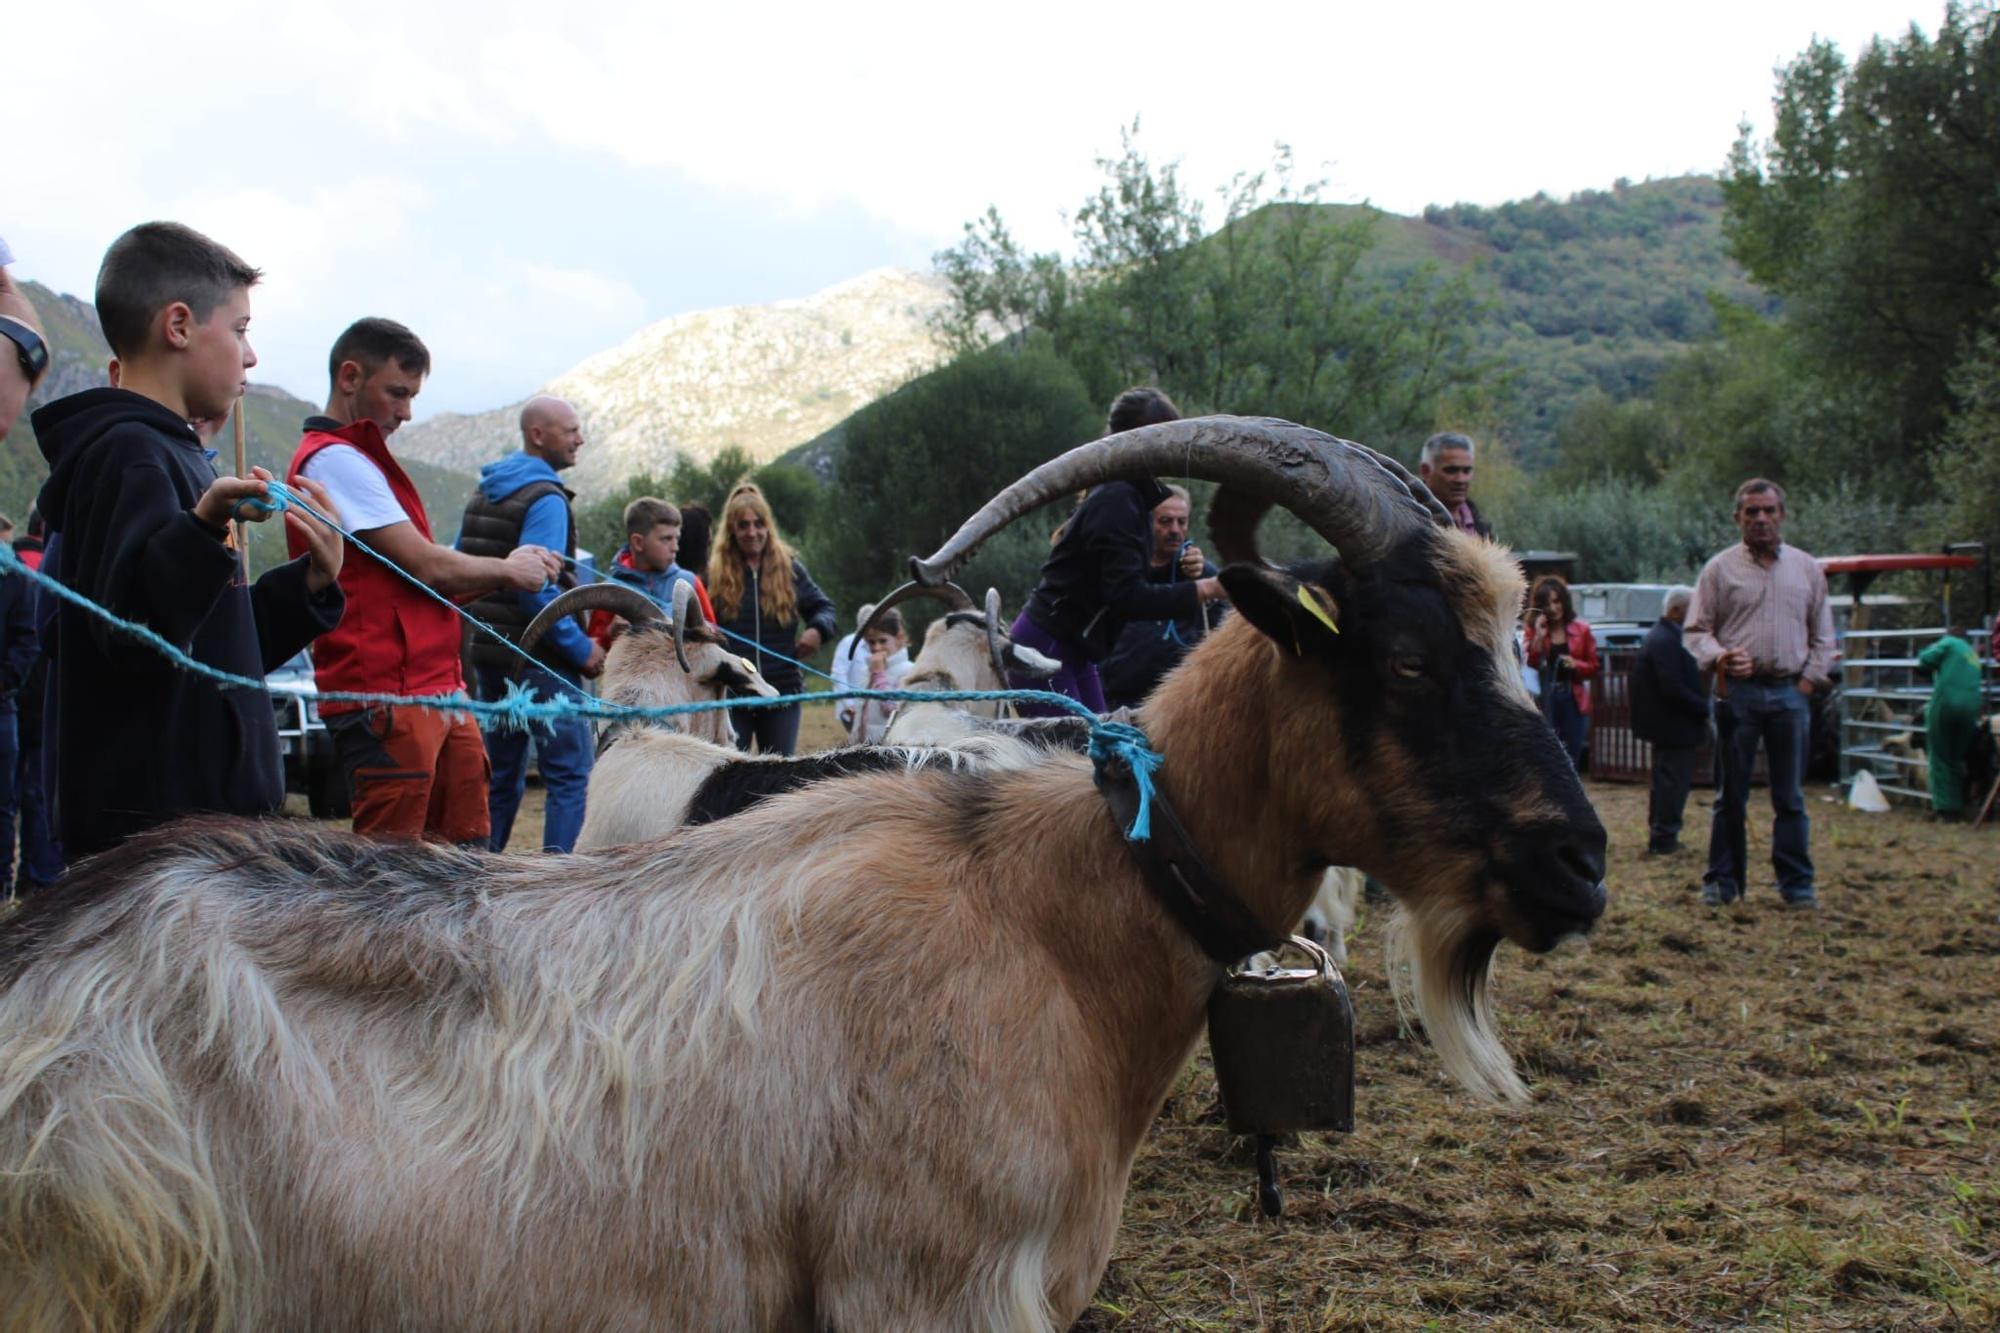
x: 376, y: 155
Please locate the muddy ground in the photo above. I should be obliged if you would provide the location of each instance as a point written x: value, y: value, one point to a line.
x: 1744, y: 1117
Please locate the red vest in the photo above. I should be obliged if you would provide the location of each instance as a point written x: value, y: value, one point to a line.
x: 393, y: 639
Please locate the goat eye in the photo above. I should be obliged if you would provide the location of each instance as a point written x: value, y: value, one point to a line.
x: 749, y: 667
x: 1409, y: 666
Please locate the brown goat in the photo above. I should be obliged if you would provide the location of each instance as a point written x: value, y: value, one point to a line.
x: 866, y: 1056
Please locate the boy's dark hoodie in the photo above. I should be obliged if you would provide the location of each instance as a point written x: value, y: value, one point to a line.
x: 140, y: 741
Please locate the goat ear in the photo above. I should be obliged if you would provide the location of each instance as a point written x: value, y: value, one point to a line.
x: 1301, y: 618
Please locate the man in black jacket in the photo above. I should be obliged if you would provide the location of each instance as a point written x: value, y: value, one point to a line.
x: 1669, y: 709
x: 1148, y: 649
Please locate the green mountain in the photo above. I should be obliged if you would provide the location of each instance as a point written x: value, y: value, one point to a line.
x: 1592, y: 294
x: 78, y: 357
x: 1595, y: 293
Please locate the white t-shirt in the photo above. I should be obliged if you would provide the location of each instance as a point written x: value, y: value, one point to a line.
x: 358, y: 488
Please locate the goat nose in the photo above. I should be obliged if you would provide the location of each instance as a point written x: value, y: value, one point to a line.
x: 1585, y: 861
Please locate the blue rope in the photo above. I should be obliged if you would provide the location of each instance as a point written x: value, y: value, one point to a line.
x: 284, y: 497
x: 518, y: 709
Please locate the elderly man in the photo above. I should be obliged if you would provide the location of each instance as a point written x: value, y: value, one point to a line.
x: 1148, y: 649
x: 519, y: 503
x: 1760, y: 619
x: 1669, y: 711
x: 1446, y: 467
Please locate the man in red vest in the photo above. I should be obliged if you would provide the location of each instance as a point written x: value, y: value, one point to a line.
x: 413, y: 772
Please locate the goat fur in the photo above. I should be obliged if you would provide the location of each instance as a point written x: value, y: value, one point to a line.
x: 857, y: 1058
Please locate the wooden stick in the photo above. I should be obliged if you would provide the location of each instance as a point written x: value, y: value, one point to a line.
x: 242, y: 470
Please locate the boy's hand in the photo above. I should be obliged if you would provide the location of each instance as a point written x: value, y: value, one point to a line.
x: 324, y: 546
x: 530, y: 568
x: 218, y: 503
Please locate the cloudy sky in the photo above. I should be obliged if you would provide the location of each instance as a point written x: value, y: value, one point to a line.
x: 526, y: 184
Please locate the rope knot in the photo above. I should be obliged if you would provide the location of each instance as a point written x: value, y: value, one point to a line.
x: 1122, y: 743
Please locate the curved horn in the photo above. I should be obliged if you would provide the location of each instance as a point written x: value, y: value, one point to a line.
x: 686, y: 607
x: 954, y: 598
x: 630, y: 603
x: 1339, y: 488
x: 995, y: 637
x: 1233, y: 515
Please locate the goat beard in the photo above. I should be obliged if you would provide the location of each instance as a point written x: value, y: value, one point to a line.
x: 1440, y: 966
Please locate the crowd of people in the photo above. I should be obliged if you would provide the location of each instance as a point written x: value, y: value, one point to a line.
x: 135, y: 517
x: 140, y: 522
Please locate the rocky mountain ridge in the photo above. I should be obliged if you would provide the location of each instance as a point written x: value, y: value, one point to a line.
x: 762, y: 377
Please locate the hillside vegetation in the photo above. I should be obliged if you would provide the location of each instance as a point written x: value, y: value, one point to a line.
x: 1826, y: 315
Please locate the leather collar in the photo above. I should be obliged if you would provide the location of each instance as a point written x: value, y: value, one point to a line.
x: 1208, y: 909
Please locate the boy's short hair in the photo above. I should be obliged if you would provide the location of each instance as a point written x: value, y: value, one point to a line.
x: 371, y: 342
x: 152, y: 266
x: 646, y: 513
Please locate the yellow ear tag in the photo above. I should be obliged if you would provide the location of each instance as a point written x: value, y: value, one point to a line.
x: 1311, y: 603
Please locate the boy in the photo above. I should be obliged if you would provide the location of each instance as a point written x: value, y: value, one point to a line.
x: 143, y: 523
x: 652, y: 540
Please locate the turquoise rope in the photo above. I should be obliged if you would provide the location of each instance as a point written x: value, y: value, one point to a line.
x: 284, y: 497
x: 518, y: 710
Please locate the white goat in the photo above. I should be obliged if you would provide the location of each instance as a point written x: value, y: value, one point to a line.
x: 876, y: 1054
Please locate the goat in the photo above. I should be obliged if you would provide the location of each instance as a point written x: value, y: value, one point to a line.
x: 1334, y: 909
x: 660, y: 661
x: 874, y: 1054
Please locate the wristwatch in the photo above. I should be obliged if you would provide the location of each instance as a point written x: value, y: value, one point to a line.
x: 33, y: 351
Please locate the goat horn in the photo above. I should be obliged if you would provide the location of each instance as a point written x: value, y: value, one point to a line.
x: 686, y: 607
x: 954, y: 598
x: 993, y: 636
x: 1341, y: 489
x: 630, y: 603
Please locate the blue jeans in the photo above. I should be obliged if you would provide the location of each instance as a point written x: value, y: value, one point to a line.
x: 10, y: 759
x: 1778, y: 716
x: 564, y: 752
x: 41, y: 854
x: 1572, y: 728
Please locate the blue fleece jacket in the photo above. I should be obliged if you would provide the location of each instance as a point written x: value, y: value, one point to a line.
x: 657, y: 586
x: 547, y: 524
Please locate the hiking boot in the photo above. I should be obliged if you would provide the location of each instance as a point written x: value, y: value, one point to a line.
x: 1804, y: 902
x: 1662, y: 848
x: 1719, y: 895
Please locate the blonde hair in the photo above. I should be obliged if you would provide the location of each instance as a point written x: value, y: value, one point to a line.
x: 726, y: 575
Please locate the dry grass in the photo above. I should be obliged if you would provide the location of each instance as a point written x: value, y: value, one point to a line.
x: 1741, y: 1116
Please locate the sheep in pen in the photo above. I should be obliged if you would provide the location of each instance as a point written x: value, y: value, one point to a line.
x: 865, y: 1056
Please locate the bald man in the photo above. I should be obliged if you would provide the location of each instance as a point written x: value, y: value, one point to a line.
x: 520, y: 502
